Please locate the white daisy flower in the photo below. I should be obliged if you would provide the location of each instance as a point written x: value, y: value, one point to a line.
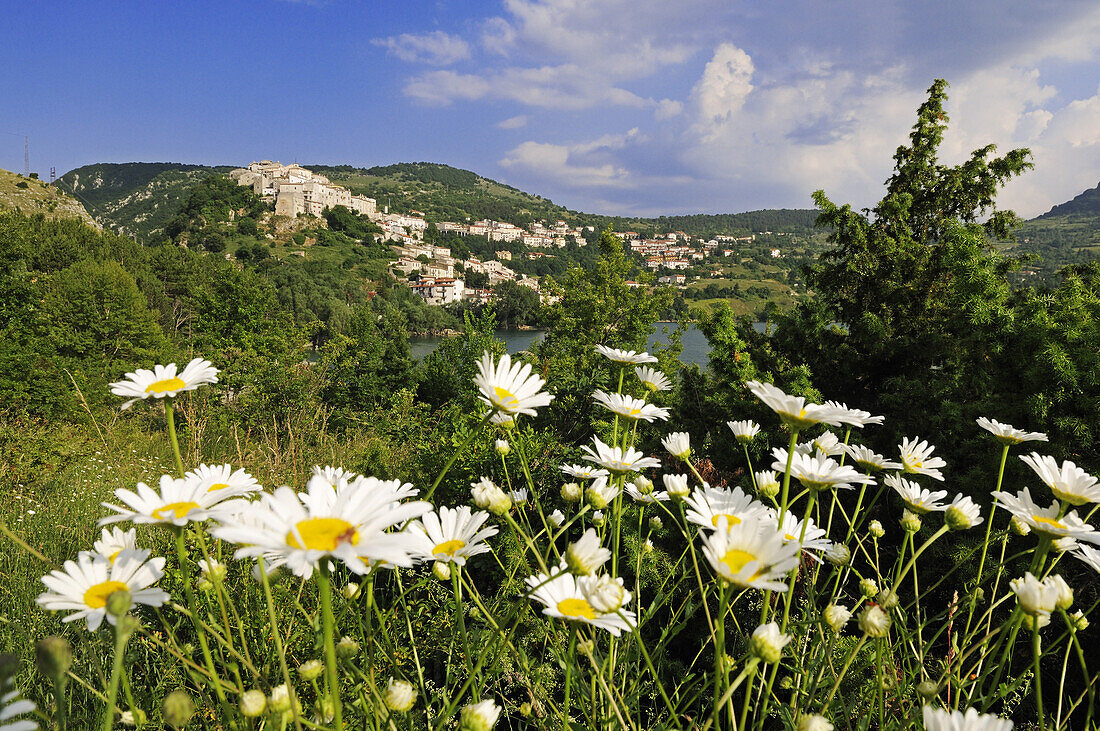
x: 1068, y: 482
x: 816, y: 539
x: 1089, y: 555
x: 348, y: 525
x: 963, y: 513
x: 1046, y: 520
x: 479, y: 716
x: 1008, y: 434
x: 164, y: 382
x: 503, y: 420
x: 653, y: 496
x: 916, y: 458
x: 585, y: 555
x: 12, y: 707
x: 616, y: 460
x: 793, y: 410
x: 919, y: 500
x: 327, y: 484
x: 625, y: 357
x: 1037, y: 598
x: 85, y: 584
x: 564, y: 598
x: 819, y: 472
x: 942, y: 719
x: 519, y: 496
x: 828, y: 444
x: 678, y: 444
x: 708, y: 505
x: 557, y: 518
x: 452, y: 534
x: 745, y: 430
x: 676, y: 485
x: 400, y: 696
x: 510, y: 389
x: 113, y: 541
x: 652, y: 380
x: 180, y: 501
x: 767, y: 642
x: 629, y: 407
x: 583, y: 472
x: 869, y: 461
x: 223, y: 479
x: 333, y: 475
x: 601, y: 492
x: 854, y: 417
x: 750, y: 554
x: 489, y: 497
x: 767, y: 482
x: 603, y: 593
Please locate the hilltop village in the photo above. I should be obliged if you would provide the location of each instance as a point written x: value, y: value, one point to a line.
x: 430, y: 270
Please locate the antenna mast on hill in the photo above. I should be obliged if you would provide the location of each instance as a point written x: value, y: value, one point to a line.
x: 53, y: 174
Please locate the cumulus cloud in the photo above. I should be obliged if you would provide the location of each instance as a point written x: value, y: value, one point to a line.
x: 513, y: 122
x: 436, y: 48
x: 720, y: 93
x: 584, y: 164
x: 668, y: 108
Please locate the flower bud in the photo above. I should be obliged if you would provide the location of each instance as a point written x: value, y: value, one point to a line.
x: 647, y: 547
x: 838, y: 554
x: 400, y: 695
x: 868, y: 588
x: 1064, y: 591
x: 311, y: 670
x: 135, y: 717
x: 280, y: 698
x: 1019, y: 527
x: 874, y: 622
x: 1033, y: 622
x: 351, y: 590
x: 347, y: 648
x: 213, y: 569
x: 54, y: 656
x: 585, y: 647
x: 324, y: 710
x: 888, y: 599
x: 571, y: 492
x: 910, y: 521
x: 1062, y: 545
x: 479, y: 716
x: 442, y: 570
x: 1080, y: 621
x: 875, y: 528
x: 177, y: 709
x: 205, y: 586
x: 836, y: 616
x: 253, y: 703
x: 814, y: 723
x: 655, y: 523
x: 585, y: 555
x: 557, y: 518
x: 928, y: 689
x: 525, y: 709
x: 598, y: 519
x: 502, y: 447
x: 767, y: 642
x: 119, y: 602
x: 644, y: 484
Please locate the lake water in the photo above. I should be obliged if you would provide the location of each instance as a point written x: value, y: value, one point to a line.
x: 696, y: 348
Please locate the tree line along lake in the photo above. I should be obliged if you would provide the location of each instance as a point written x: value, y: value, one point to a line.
x: 696, y: 349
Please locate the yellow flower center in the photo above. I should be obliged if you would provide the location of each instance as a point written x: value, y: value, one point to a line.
x: 323, y: 534
x: 96, y: 596
x: 217, y: 486
x: 174, y: 511
x: 1049, y: 521
x: 449, y: 548
x: 789, y: 537
x: 576, y: 608
x: 635, y: 412
x: 731, y: 519
x: 736, y: 559
x: 114, y: 555
x: 505, y: 398
x: 167, y: 384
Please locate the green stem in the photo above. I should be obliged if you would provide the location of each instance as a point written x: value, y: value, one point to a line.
x: 985, y: 545
x: 843, y: 671
x: 719, y: 655
x: 1036, y: 654
x: 62, y: 703
x: 170, y: 413
x: 122, y: 636
x: 460, y: 619
x: 324, y: 584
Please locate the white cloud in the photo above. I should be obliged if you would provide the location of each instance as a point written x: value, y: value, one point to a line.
x: 580, y: 164
x: 667, y: 109
x: 513, y: 122
x: 443, y: 87
x: 726, y: 81
x: 436, y: 48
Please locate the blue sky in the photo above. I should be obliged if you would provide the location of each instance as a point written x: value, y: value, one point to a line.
x: 612, y: 106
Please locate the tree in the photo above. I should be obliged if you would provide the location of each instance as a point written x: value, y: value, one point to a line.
x: 247, y: 227
x: 515, y: 305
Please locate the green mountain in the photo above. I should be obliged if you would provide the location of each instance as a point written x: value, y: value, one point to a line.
x: 1069, y: 233
x: 136, y: 198
x: 30, y: 195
